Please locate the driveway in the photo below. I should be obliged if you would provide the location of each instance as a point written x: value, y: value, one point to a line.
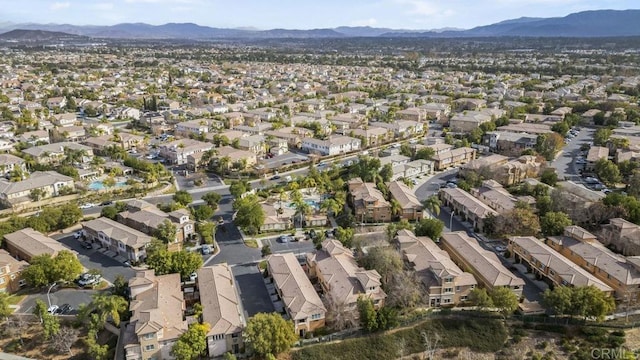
x: 253, y: 291
x: 73, y: 297
x: 284, y: 159
x: 93, y: 259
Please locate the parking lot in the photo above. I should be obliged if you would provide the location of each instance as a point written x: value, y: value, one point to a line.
x: 58, y: 296
x: 93, y: 259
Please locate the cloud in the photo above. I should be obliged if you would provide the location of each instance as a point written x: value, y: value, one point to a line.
x: 419, y: 7
x: 365, y: 22
x: 60, y: 5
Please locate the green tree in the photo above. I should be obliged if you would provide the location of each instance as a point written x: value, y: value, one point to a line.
x: 386, y: 172
x: 553, y: 223
x: 185, y: 263
x: 559, y: 300
x: 45, y: 270
x: 386, y: 261
x: 387, y: 318
x: 505, y: 300
x: 368, y: 316
x: 345, y: 236
x: 591, y: 302
x: 430, y: 227
x: 192, y: 343
x: 270, y: 334
x: 120, y: 286
x: 109, y: 306
x: 250, y: 216
x: 561, y: 128
x: 237, y: 188
x: 266, y: 250
x: 109, y: 212
x: 229, y: 356
x: 331, y: 206
x: 549, y: 177
x: 5, y: 309
x: 166, y: 231
x: 50, y: 323
x: 607, y: 171
x: 183, y: 198
x: 206, y: 229
x: 202, y: 212
x: 519, y: 221
x: 601, y: 136
x: 480, y: 298
x: 212, y: 199
x: 432, y: 204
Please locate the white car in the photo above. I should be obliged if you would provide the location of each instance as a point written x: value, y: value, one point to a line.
x: 77, y: 235
x: 88, y: 279
x: 87, y: 206
x: 500, y: 248
x: 52, y: 309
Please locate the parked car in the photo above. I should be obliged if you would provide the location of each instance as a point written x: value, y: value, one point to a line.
x: 107, y: 203
x: 193, y: 276
x: 220, y: 221
x: 284, y: 239
x: 275, y: 177
x: 52, y: 309
x: 87, y: 279
x: 86, y: 206
x: 64, y: 309
x: 205, y: 250
x: 288, y: 178
x: 78, y: 234
x: 500, y: 248
x: 87, y: 245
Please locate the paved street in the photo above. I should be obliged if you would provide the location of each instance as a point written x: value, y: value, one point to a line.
x: 253, y: 292
x: 93, y: 259
x: 564, y: 163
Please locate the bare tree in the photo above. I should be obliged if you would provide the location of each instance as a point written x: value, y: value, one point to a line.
x: 64, y: 340
x: 339, y: 316
x: 404, y: 290
x: 430, y: 342
x: 17, y: 326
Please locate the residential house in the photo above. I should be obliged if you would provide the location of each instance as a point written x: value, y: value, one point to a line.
x: 177, y: 151
x: 595, y: 153
x: 528, y: 128
x: 588, y: 115
x: 157, y: 316
x: 445, y: 283
x: 368, y: 202
x: 116, y: 237
x: 466, y: 206
x: 56, y: 102
x: 237, y: 156
x: 9, y: 163
x: 254, y: 143
x: 469, y: 104
x: 467, y: 121
x: 129, y: 141
x: 623, y: 235
x: 546, y: 263
x: 333, y: 145
x: 64, y: 120
x: 620, y: 273
x: 277, y: 217
x: 406, y: 198
x: 27, y: 243
x: 192, y: 128
x: 412, y: 169
x: 54, y: 153
x: 341, y: 279
x: 453, y: 158
x: 371, y: 136
x: 72, y: 133
x: 483, y: 264
x: 401, y: 128
x: 293, y: 135
x: 298, y: 299
x: 36, y: 137
x: 509, y: 143
x: 39, y: 185
x: 413, y: 114
x: 276, y: 146
x: 10, y: 272
x: 221, y: 309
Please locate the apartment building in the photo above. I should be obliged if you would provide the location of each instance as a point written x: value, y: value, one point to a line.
x: 368, y: 202
x: 623, y: 235
x: 10, y: 272
x: 497, y: 197
x: 453, y: 158
x: 445, y: 283
x: 549, y: 265
x: 299, y: 300
x: 483, y: 264
x: 147, y: 218
x: 409, y: 203
x: 333, y: 145
x: 595, y: 153
x: 157, y: 308
x: 221, y: 309
x: 341, y: 279
x: 192, y: 128
x: 118, y: 238
x: 28, y: 243
x: 509, y: 143
x: 619, y: 272
x: 468, y: 207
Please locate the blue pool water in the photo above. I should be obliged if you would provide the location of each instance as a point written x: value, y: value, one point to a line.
x: 313, y: 203
x: 98, y: 185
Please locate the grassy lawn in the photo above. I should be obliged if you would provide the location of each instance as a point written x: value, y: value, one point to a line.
x: 251, y: 243
x: 15, y: 299
x: 479, y: 335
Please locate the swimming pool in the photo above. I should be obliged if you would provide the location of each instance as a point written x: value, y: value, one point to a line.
x: 313, y: 203
x: 98, y: 185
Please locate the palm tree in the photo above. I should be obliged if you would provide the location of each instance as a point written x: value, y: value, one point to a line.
x: 309, y: 183
x: 433, y: 203
x: 331, y: 206
x: 396, y: 208
x: 110, y: 305
x: 303, y: 209
x: 408, y: 182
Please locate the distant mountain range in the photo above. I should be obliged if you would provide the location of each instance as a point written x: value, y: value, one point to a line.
x: 598, y: 23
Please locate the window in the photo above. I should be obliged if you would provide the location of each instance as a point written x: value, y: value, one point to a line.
x: 457, y: 288
x: 448, y: 290
x: 217, y: 337
x: 448, y: 279
x: 552, y: 273
x: 316, y: 316
x: 149, y: 348
x: 2, y: 281
x: 446, y: 301
x: 148, y: 336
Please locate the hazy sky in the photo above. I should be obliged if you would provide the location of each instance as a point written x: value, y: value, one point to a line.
x: 298, y: 14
